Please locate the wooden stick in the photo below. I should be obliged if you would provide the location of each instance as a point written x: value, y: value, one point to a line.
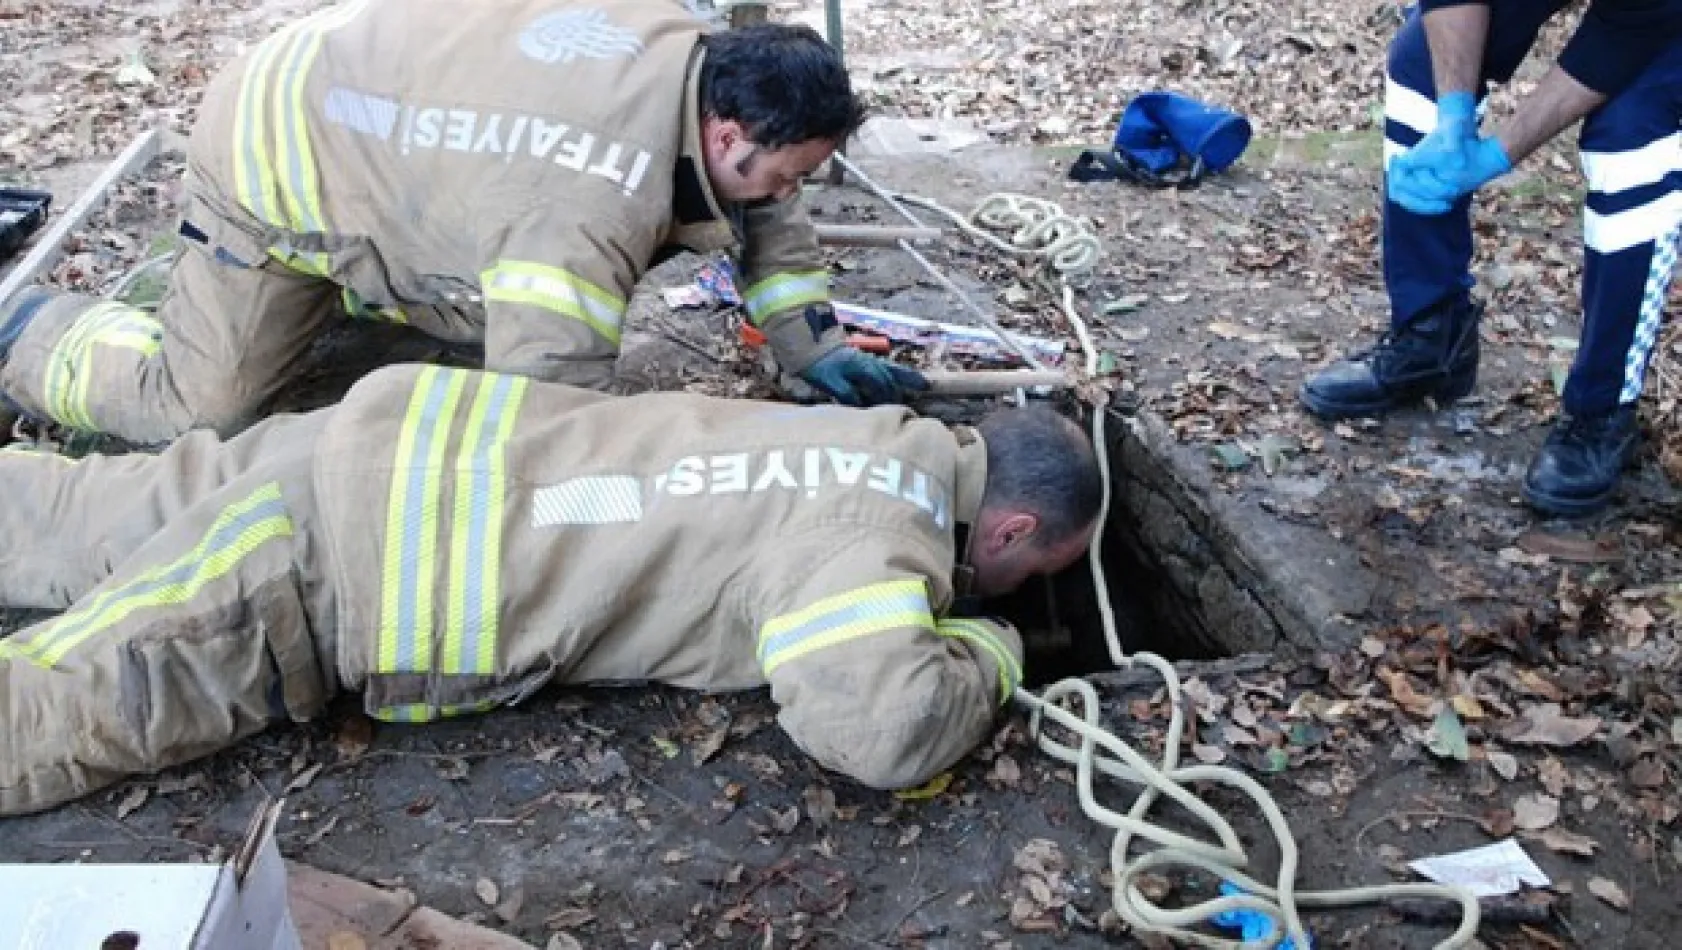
x: 873, y: 235
x: 49, y: 246
x: 988, y: 382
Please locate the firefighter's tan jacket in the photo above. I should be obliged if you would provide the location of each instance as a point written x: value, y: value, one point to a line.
x: 445, y: 541
x: 505, y: 169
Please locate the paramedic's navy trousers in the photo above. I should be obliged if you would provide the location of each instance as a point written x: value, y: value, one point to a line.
x: 1631, y: 150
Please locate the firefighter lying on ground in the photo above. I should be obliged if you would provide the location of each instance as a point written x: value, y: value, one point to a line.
x: 504, y: 177
x: 445, y: 541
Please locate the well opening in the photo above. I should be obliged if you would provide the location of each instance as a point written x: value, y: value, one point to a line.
x: 1177, y: 587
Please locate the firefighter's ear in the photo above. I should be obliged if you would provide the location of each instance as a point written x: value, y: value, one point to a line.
x: 1015, y: 530
x: 721, y: 135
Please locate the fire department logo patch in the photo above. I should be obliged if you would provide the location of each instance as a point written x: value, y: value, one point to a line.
x: 565, y: 35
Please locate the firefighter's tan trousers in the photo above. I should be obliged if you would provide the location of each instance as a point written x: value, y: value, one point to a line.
x: 224, y: 338
x: 193, y: 581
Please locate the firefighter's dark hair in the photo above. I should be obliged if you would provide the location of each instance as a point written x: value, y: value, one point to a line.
x: 783, y: 83
x: 1039, y: 461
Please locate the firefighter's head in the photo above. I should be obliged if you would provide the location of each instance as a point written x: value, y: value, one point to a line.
x: 775, y: 102
x: 1041, y: 502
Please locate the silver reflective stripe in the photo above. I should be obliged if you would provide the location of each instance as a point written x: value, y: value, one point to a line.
x: 603, y: 499
x: 560, y: 288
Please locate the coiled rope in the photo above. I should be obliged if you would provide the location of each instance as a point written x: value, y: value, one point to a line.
x: 1043, y: 230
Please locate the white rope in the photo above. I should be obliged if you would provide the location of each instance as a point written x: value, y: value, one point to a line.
x: 1068, y: 244
x: 1072, y: 249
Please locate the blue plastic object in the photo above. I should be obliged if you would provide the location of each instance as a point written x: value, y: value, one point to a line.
x: 1251, y: 925
x: 1157, y: 129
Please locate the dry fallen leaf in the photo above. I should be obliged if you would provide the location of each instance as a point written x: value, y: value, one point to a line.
x: 1005, y: 772
x: 1570, y: 550
x: 1404, y: 695
x: 1040, y: 856
x: 1467, y: 706
x: 134, y: 799
x: 1504, y: 764
x: 303, y: 779
x: 1497, y: 822
x: 568, y: 919
x: 1208, y: 754
x: 820, y: 804
x: 1538, y: 685
x: 1535, y: 811
x: 785, y: 821
x: 346, y: 940
x: 1027, y: 916
x: 1647, y: 773
x: 1609, y: 892
x: 1554, y: 776
x: 708, y: 745
x: 508, y: 909
x: 1568, y: 842
x: 486, y: 890
x: 1545, y: 724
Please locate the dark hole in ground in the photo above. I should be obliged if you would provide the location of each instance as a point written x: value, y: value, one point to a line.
x: 1060, y: 618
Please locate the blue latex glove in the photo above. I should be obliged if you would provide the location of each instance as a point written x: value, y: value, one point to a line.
x: 1448, y: 164
x: 859, y: 379
x: 1251, y: 925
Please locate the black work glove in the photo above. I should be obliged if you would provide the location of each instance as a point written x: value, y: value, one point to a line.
x: 859, y: 379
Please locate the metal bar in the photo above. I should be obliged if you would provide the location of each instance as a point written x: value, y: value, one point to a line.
x: 49, y: 246
x: 946, y: 282
x: 986, y: 382
x: 832, y: 26
x: 873, y: 235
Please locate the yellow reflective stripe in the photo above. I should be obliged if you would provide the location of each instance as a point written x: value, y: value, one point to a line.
x: 491, y: 604
x: 285, y: 128
x: 784, y: 292
x: 59, y: 381
x: 981, y: 635
x: 876, y: 608
x: 411, y: 556
x: 238, y: 530
x: 115, y: 326
x: 142, y: 342
x: 275, y: 173
x: 69, y: 374
x: 558, y: 290
x: 475, y: 567
x: 302, y: 182
x: 255, y: 183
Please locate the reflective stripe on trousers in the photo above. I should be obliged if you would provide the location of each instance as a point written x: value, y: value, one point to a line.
x: 448, y: 541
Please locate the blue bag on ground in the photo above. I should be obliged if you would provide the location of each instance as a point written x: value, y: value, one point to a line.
x: 1164, y: 139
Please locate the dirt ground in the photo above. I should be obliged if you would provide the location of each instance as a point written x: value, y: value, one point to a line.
x: 646, y: 818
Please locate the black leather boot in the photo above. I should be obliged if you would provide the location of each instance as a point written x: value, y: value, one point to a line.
x: 1434, y: 355
x: 16, y: 313
x: 1580, y: 463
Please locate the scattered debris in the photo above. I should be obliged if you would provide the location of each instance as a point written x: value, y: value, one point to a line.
x: 1489, y: 871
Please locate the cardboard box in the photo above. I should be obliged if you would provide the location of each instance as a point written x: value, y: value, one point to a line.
x: 238, y: 905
